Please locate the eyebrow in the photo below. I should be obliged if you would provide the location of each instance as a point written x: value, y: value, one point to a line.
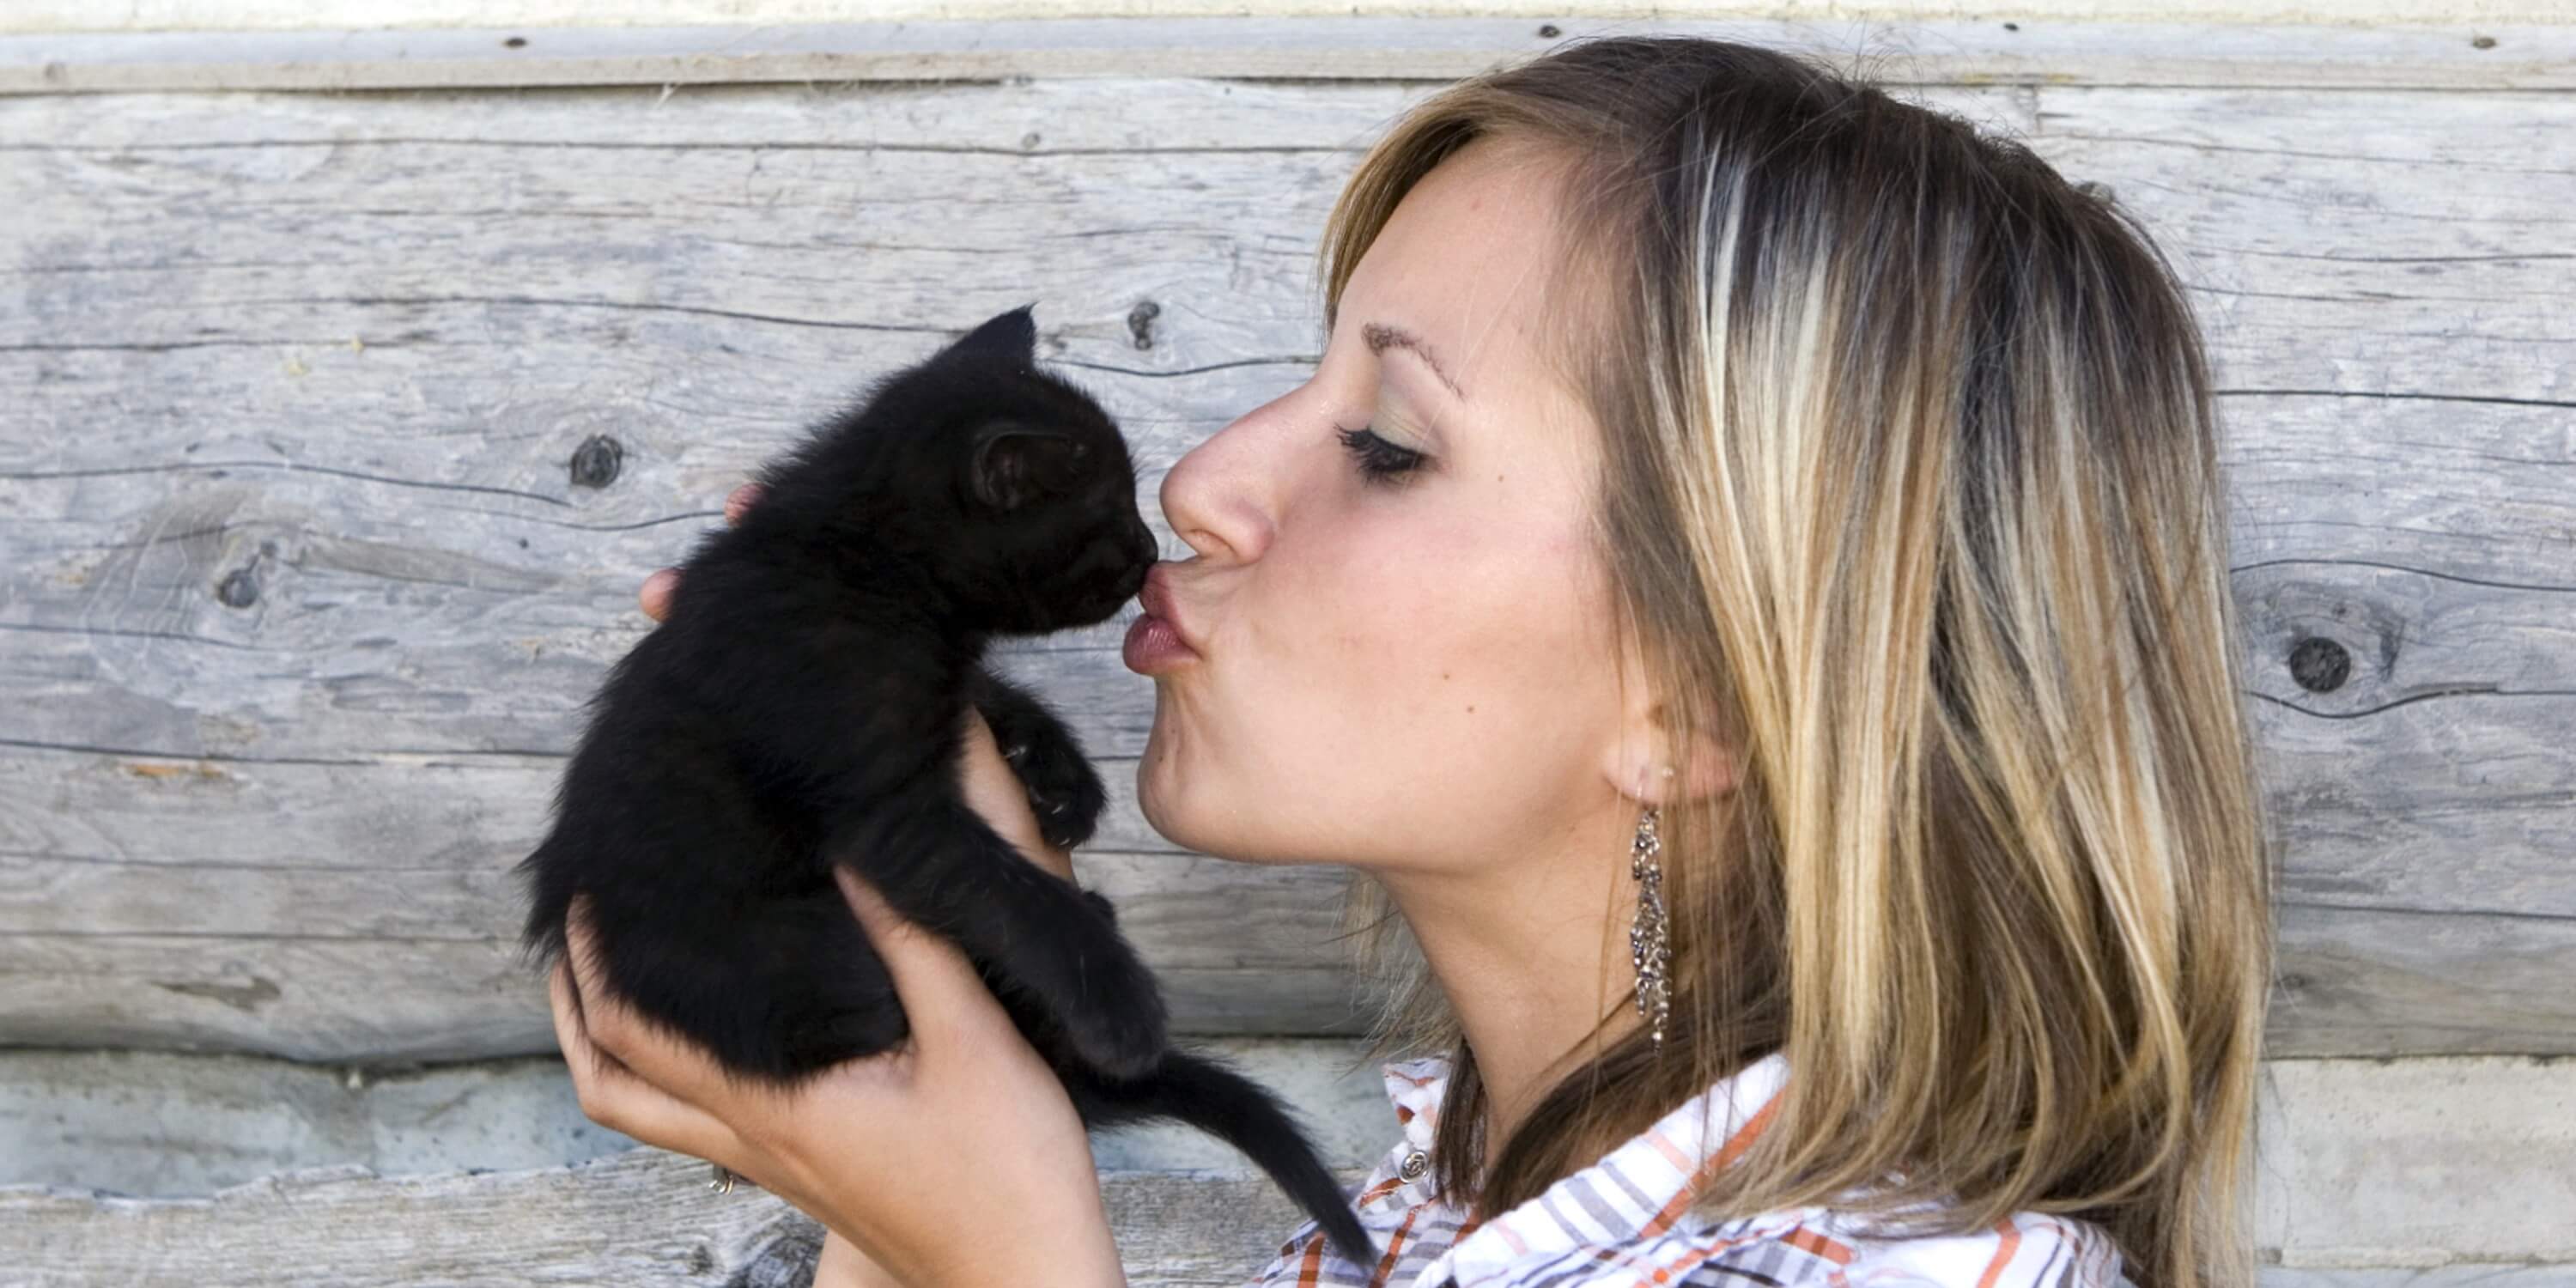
x: 1382, y: 337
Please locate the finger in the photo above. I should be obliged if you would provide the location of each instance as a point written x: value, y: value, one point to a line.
x: 933, y: 979
x: 612, y: 1096
x: 655, y: 595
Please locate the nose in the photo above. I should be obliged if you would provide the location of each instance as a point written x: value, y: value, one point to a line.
x: 1132, y: 579
x: 1141, y: 547
x: 1219, y: 497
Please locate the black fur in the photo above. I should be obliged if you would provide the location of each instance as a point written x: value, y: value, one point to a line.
x: 803, y: 704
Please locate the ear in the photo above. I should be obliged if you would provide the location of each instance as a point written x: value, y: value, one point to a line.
x: 1646, y: 745
x: 1013, y: 464
x: 1010, y: 337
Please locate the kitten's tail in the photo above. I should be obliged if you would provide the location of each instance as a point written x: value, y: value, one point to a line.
x: 1204, y: 1093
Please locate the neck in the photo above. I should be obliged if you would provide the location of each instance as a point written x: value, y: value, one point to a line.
x: 1532, y: 952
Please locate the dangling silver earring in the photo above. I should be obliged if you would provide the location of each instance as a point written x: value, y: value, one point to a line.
x: 1650, y: 938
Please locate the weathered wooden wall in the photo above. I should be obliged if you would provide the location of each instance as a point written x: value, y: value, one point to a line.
x: 301, y: 588
x: 302, y: 598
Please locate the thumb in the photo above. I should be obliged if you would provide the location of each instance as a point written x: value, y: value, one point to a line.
x: 933, y: 979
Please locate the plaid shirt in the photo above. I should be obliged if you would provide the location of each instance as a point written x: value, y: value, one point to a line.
x: 1626, y: 1220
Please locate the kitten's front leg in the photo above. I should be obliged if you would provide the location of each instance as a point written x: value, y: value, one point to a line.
x: 1039, y: 935
x: 1065, y: 792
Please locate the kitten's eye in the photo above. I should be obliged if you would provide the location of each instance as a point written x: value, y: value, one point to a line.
x: 1379, y: 460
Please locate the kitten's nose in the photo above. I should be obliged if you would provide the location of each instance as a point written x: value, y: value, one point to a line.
x: 1114, y: 568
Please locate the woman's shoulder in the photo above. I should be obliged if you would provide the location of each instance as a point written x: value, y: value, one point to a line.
x: 1812, y: 1248
x: 1823, y: 1247
x: 2024, y: 1250
x: 1627, y: 1221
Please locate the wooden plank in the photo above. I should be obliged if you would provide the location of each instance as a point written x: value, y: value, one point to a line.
x: 2360, y: 1163
x: 2417, y: 1162
x: 303, y: 15
x: 636, y: 1218
x: 368, y: 930
x: 284, y: 825
x: 390, y: 937
x: 2473, y: 1274
x: 647, y: 1217
x: 1939, y: 51
x: 158, y: 1125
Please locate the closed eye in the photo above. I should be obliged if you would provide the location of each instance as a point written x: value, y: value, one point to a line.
x: 1379, y: 460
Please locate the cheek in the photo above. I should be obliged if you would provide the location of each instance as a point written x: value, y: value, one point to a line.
x: 1468, y: 644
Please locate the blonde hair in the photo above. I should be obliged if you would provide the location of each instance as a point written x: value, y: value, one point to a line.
x: 1910, y: 498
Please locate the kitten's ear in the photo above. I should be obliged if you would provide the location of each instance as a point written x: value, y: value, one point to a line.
x: 1014, y: 464
x: 1011, y: 337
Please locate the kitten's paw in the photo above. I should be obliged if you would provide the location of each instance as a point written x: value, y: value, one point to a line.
x: 1065, y: 792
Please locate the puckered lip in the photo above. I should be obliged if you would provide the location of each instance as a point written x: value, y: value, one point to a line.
x: 1156, y: 599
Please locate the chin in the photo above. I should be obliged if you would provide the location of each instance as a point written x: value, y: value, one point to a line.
x: 1173, y: 809
x: 1189, y: 802
x: 1154, y: 789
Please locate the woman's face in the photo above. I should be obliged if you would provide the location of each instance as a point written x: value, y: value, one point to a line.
x: 1412, y: 674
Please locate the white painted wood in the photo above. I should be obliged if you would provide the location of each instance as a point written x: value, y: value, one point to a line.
x: 1941, y: 50
x: 341, y: 348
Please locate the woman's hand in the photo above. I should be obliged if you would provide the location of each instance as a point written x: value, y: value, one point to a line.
x: 908, y: 1157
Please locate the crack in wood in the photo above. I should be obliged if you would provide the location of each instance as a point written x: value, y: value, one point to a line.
x: 246, y: 998
x: 283, y: 467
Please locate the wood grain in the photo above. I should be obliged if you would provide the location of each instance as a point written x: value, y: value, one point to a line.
x: 2359, y: 1163
x: 644, y: 1217
x: 300, y: 601
x: 2355, y: 53
x: 158, y: 1124
x: 647, y: 1217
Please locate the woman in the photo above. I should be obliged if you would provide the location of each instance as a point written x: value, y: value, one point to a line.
x: 1734, y: 510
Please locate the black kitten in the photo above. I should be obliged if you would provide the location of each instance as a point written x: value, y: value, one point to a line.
x: 802, y: 705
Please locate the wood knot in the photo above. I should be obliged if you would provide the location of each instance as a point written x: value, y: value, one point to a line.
x: 1140, y: 323
x: 2319, y: 665
x: 595, y: 463
x: 239, y: 588
x: 784, y: 1262
x: 2482, y: 42
x: 1548, y: 31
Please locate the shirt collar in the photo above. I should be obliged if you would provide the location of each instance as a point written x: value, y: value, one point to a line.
x: 1637, y: 1190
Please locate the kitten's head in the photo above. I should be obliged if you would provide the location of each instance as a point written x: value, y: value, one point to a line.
x: 1010, y: 486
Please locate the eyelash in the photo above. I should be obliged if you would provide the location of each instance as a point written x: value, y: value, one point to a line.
x: 1379, y: 460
